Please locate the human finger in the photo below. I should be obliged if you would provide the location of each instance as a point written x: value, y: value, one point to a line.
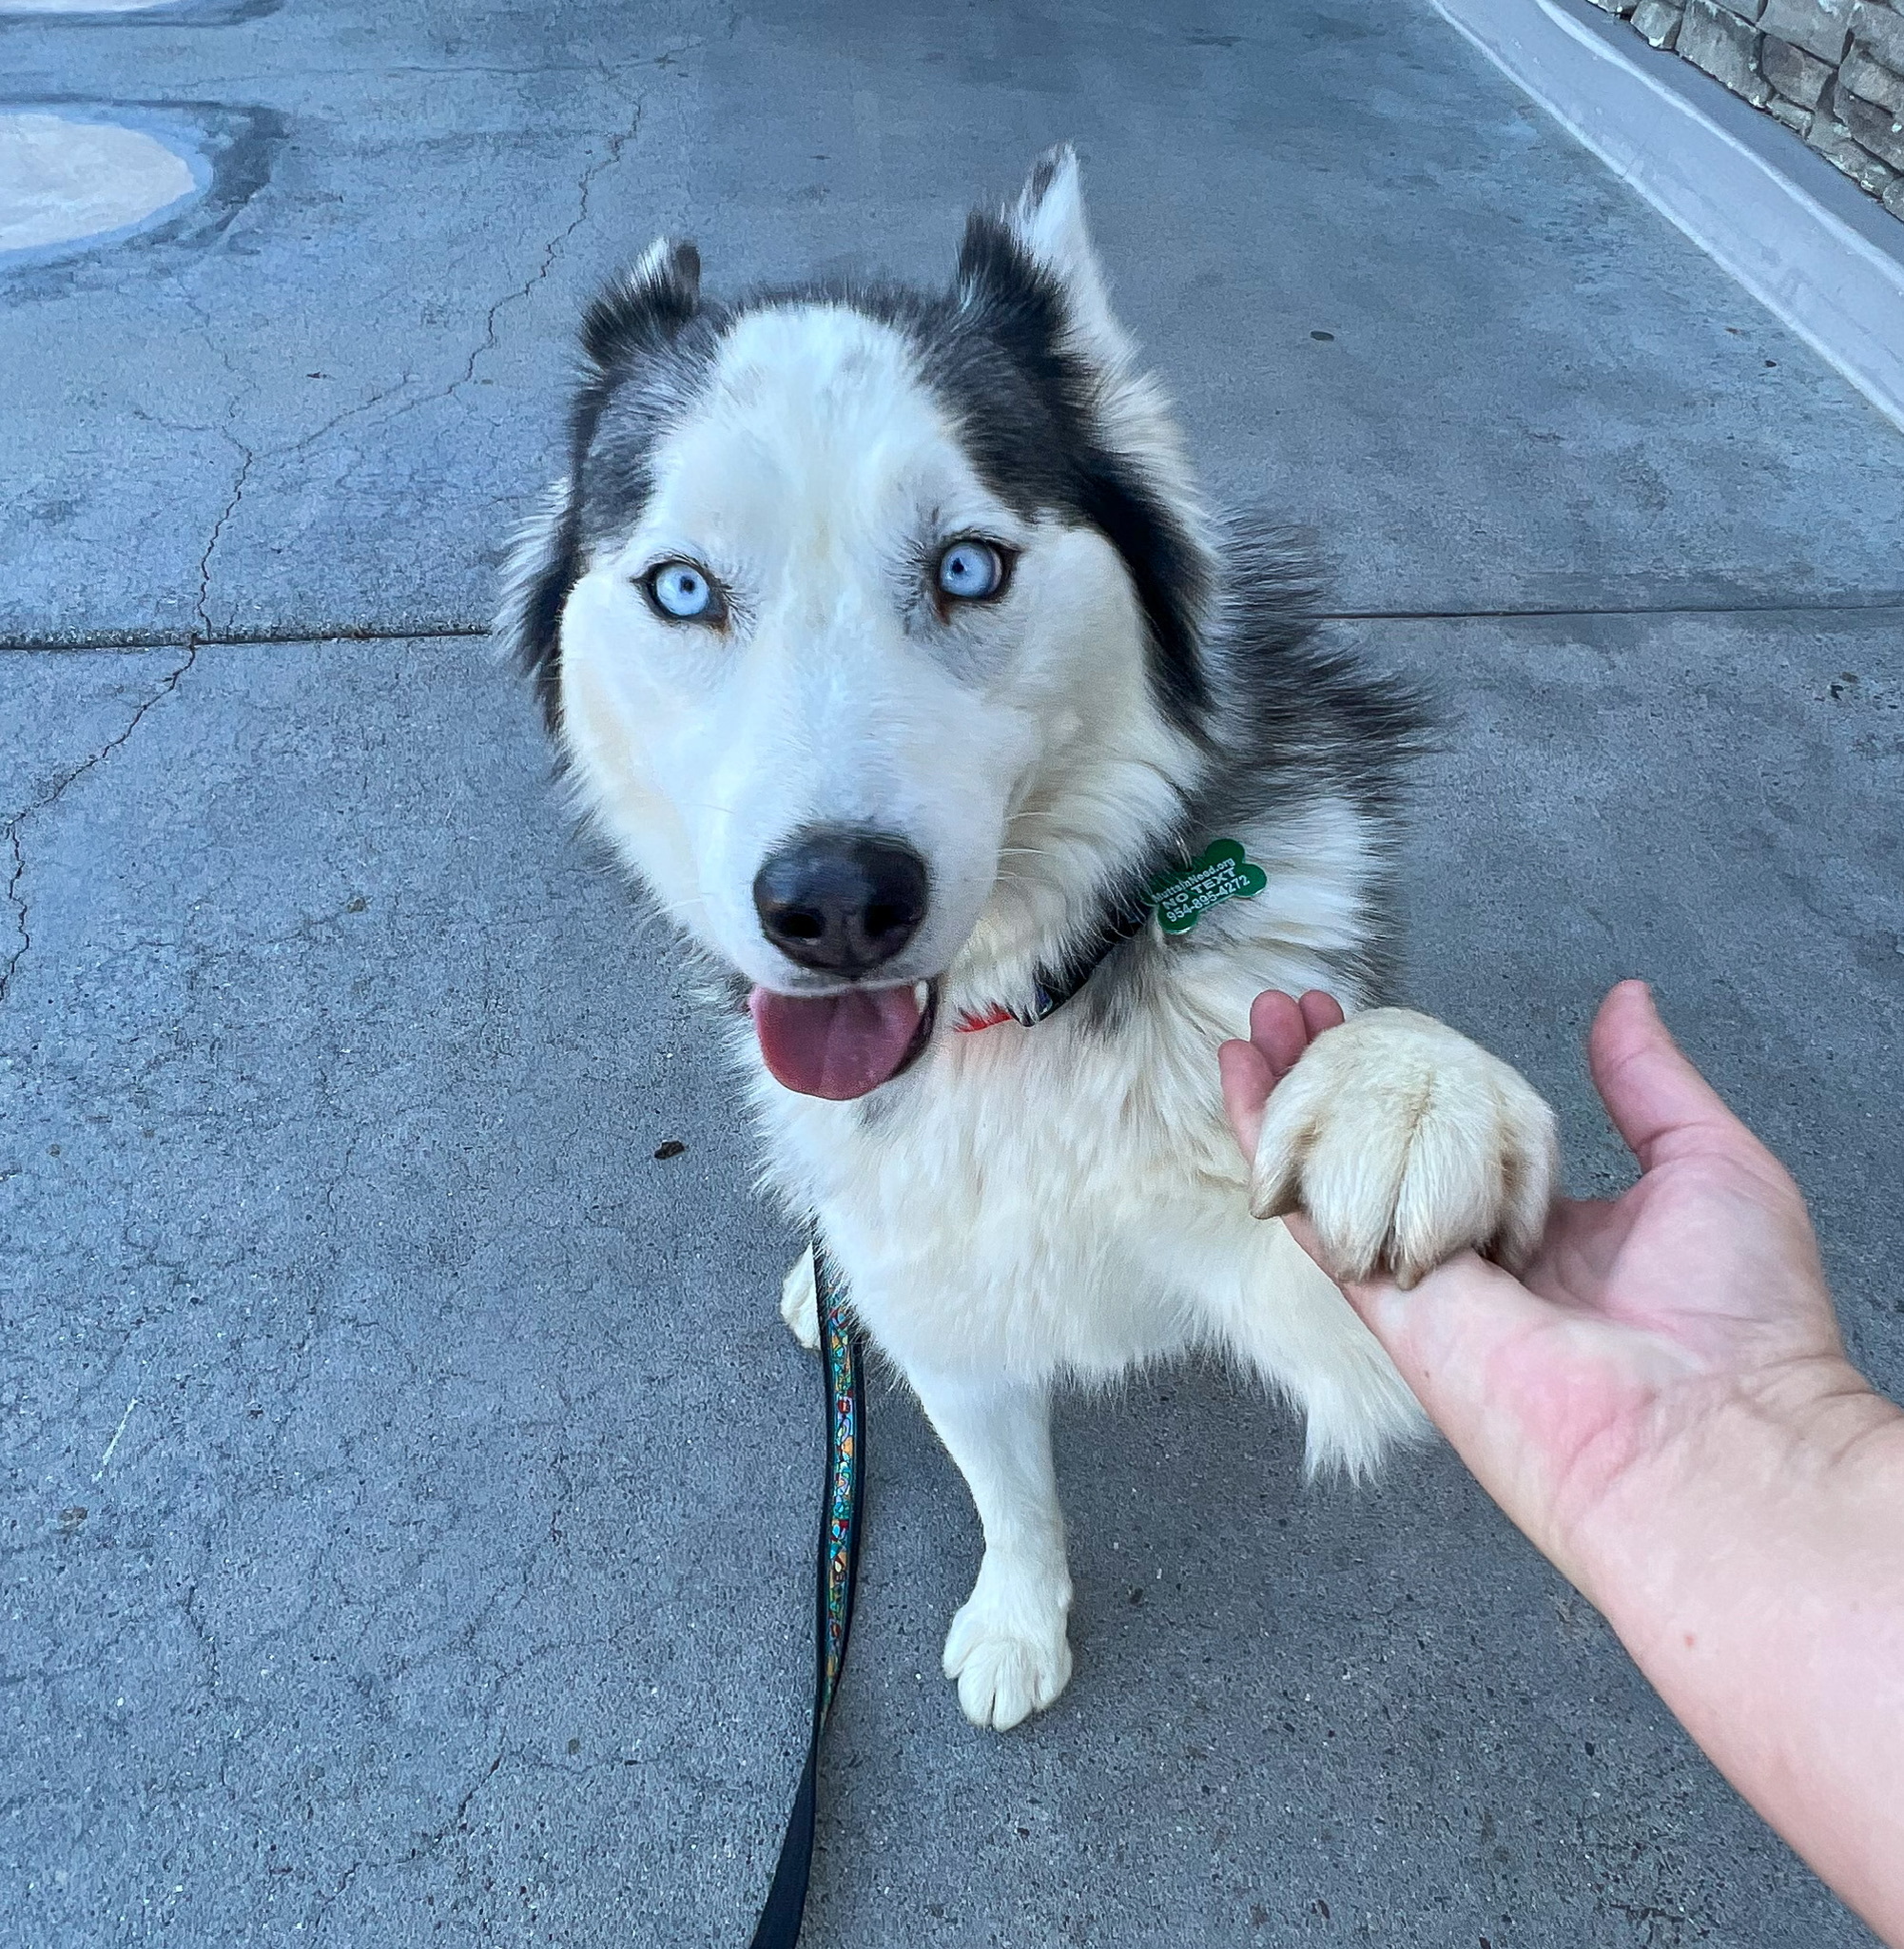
x: 1440, y: 1331
x: 1279, y: 1030
x: 1488, y: 1361
x: 1659, y: 1103
x: 1248, y: 1079
x: 1319, y: 1012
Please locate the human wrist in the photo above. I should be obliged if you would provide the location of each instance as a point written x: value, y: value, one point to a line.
x: 1763, y: 1463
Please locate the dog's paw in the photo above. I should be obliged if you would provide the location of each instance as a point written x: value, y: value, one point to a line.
x: 1010, y: 1658
x: 800, y: 1302
x: 1406, y: 1142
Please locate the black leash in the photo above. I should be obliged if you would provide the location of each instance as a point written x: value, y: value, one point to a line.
x: 836, y: 1573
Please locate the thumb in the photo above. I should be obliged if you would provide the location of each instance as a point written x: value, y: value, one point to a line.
x: 1656, y: 1098
x: 1478, y: 1350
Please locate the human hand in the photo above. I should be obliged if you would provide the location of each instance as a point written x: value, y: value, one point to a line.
x: 1641, y: 1324
x: 1663, y: 1403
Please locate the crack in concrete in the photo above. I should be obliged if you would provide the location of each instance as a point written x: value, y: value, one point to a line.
x: 344, y: 418
x: 552, y: 252
x: 16, y: 869
x: 211, y: 546
x: 425, y: 1844
x: 217, y: 342
x: 11, y: 833
x: 203, y: 631
x: 554, y: 248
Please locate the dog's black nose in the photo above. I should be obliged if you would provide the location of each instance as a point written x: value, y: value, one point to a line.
x: 841, y: 902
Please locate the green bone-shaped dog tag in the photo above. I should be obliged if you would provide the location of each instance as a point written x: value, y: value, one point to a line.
x: 1218, y: 873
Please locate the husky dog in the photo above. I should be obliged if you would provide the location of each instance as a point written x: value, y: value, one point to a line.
x: 888, y: 643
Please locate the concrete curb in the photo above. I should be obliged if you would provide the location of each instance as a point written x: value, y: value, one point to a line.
x: 1817, y: 254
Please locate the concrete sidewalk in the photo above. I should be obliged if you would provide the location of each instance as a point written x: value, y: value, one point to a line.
x: 410, y: 1486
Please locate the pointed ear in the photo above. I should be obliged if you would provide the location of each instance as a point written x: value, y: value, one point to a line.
x: 1045, y: 232
x: 643, y: 307
x: 1047, y: 224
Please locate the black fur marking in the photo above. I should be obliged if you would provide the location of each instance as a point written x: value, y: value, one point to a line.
x: 1301, y: 718
x: 639, y: 313
x: 646, y: 343
x: 995, y: 351
x: 1044, y: 173
x: 1303, y: 721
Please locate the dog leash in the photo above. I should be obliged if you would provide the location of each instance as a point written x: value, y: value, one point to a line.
x: 836, y: 1573
x: 1179, y: 899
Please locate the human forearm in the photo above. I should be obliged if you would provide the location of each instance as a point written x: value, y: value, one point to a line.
x: 1746, y: 1541
x: 1757, y: 1576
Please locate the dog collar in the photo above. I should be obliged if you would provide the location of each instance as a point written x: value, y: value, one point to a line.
x: 1179, y: 897
x: 1051, y: 988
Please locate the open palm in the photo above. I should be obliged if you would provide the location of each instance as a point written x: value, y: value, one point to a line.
x: 1637, y: 1319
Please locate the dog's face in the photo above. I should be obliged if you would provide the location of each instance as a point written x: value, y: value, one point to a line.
x: 845, y: 607
x: 823, y: 661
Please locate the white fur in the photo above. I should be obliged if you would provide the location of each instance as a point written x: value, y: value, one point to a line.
x: 1407, y: 1143
x: 1025, y: 1206
x: 800, y: 1302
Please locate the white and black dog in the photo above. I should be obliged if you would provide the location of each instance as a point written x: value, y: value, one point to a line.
x: 887, y: 641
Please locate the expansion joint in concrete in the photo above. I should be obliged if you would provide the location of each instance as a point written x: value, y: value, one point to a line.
x: 450, y: 629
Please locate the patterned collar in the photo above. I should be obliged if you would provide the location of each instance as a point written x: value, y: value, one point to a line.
x: 1052, y: 987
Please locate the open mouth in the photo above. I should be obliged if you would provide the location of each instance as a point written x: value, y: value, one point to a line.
x: 840, y: 1046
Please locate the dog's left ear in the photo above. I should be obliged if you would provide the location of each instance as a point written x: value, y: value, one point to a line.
x: 644, y: 307
x: 1047, y: 224
x: 1043, y: 234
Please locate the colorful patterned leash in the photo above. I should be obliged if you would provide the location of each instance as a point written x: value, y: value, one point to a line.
x: 838, y: 1571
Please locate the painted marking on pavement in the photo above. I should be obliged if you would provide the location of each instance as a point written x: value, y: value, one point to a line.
x: 116, y: 1433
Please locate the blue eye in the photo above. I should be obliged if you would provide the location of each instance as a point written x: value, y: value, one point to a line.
x: 970, y: 571
x: 683, y: 592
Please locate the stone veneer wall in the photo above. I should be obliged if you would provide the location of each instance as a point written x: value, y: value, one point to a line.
x: 1832, y: 71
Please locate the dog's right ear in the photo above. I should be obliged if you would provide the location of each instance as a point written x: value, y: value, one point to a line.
x: 644, y: 307
x: 637, y: 314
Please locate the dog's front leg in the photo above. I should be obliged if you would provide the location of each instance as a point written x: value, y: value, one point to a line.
x: 1007, y: 1648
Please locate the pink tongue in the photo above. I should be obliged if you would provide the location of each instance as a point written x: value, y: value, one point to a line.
x: 834, y: 1045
